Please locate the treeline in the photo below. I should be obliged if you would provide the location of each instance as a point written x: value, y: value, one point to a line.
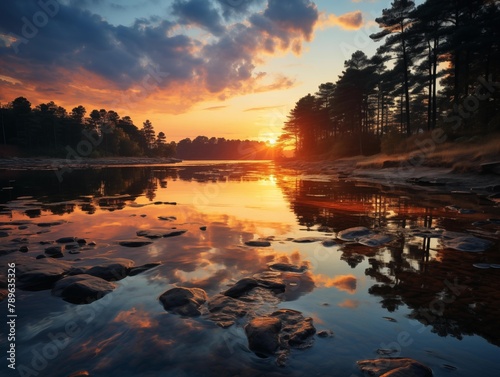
x: 203, y: 148
x: 437, y: 67
x: 48, y: 129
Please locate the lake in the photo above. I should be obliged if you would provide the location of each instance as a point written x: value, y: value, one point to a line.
x: 414, y: 295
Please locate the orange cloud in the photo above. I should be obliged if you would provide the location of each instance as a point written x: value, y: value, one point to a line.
x: 348, y: 21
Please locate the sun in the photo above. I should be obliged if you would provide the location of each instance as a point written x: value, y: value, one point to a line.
x: 272, y: 141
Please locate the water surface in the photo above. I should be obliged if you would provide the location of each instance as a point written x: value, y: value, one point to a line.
x: 411, y: 297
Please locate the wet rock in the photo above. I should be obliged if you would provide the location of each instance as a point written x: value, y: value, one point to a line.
x: 325, y: 334
x: 467, y: 243
x: 4, y: 234
x: 307, y: 239
x: 325, y: 229
x: 139, y: 269
x: 41, y: 256
x: 135, y: 243
x: 278, y: 332
x: 82, y: 289
x: 352, y: 234
x: 287, y: 267
x: 20, y: 240
x: 374, y: 240
x: 71, y: 246
x: 92, y: 243
x: 328, y: 243
x: 203, y: 228
x: 41, y: 274
x: 49, y: 224
x: 104, y: 268
x: 66, y: 240
x: 263, y: 335
x: 224, y: 310
x: 24, y: 249
x: 54, y: 251
x: 241, y: 287
x: 258, y: 243
x: 167, y: 218
x: 81, y: 241
x: 184, y: 301
x: 22, y: 227
x: 161, y: 233
x: 394, y: 367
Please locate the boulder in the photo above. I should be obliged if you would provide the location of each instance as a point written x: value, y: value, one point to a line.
x: 40, y: 274
x: 184, y: 301
x: 394, y: 367
x: 263, y: 335
x: 104, y: 268
x: 82, y: 289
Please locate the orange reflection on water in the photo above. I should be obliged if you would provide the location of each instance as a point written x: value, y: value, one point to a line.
x: 346, y: 283
x: 350, y: 304
x: 135, y: 318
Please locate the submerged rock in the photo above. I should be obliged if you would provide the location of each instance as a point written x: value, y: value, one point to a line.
x: 82, y: 289
x: 467, y: 243
x: 137, y: 270
x: 135, y: 243
x: 287, y: 267
x: 184, y: 301
x: 241, y: 287
x: 353, y: 234
x: 104, y: 268
x: 374, y: 240
x: 54, y: 251
x: 161, y: 233
x: 40, y: 274
x: 394, y: 367
x: 258, y: 243
x: 66, y: 240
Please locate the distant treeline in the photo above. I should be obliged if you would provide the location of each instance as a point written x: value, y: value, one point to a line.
x: 50, y: 130
x: 438, y: 67
x: 203, y: 148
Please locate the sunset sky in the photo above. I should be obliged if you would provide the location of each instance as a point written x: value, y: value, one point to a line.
x: 224, y: 68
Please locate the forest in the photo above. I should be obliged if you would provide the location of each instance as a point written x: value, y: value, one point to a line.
x: 49, y: 130
x: 436, y: 70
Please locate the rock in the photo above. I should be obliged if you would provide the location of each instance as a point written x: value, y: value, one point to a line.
x: 241, y: 287
x: 82, y: 289
x: 184, y: 301
x: 394, y: 367
x: 263, y: 335
x: 4, y: 234
x: 81, y: 241
x: 258, y: 243
x: 167, y: 218
x: 279, y: 332
x: 203, y: 228
x: 66, y: 240
x: 160, y: 233
x: 325, y: 229
x: 22, y: 227
x: 307, y: 239
x: 329, y: 243
x: 71, y: 246
x: 135, y: 243
x: 137, y: 270
x: 104, y: 268
x: 54, y: 251
x: 287, y: 267
x: 49, y: 224
x: 374, y: 240
x: 352, y: 234
x: 467, y: 243
x: 40, y: 274
x: 297, y: 331
x: 41, y: 256
x: 325, y: 334
x: 24, y: 249
x: 224, y: 310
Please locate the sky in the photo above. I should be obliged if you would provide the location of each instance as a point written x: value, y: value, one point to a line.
x: 223, y: 68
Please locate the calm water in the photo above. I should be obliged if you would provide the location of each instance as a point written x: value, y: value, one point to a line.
x: 410, y: 296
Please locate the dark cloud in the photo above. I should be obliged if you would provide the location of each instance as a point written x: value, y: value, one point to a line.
x: 200, y: 13
x: 50, y: 47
